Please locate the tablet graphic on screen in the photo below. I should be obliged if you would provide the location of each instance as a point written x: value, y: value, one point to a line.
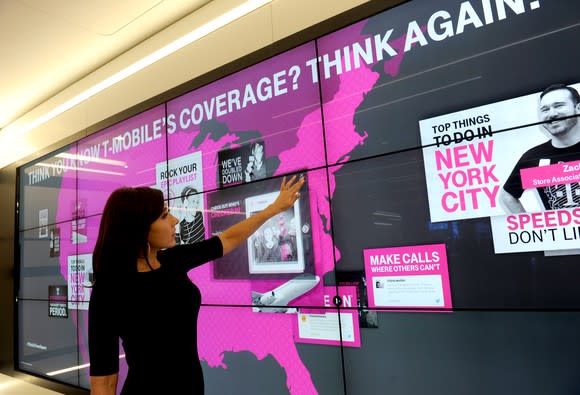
x: 276, y: 247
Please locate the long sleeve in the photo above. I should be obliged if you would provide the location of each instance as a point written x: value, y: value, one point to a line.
x: 103, y: 334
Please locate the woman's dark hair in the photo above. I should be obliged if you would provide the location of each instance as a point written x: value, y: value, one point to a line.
x: 125, y: 223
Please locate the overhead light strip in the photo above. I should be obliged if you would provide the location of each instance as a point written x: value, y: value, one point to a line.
x: 88, y: 170
x: 196, y: 34
x: 88, y: 159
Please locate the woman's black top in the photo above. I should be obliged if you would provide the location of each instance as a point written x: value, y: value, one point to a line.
x: 155, y: 315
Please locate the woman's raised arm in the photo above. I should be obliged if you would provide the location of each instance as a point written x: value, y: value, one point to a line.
x: 238, y: 233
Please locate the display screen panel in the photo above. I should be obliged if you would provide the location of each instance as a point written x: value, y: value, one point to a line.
x: 237, y: 356
x: 267, y: 118
x: 42, y: 183
x: 40, y: 260
x: 421, y: 338
x: 381, y: 76
x: 47, y: 343
x: 125, y: 154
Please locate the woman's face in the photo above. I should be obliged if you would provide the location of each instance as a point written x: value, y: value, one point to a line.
x: 162, y: 231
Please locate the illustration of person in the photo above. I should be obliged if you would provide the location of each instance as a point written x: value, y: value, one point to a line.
x: 256, y: 168
x: 191, y: 227
x: 287, y: 241
x: 559, y: 106
x: 266, y: 246
x: 176, y: 209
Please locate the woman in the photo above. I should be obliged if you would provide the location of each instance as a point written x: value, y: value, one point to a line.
x: 143, y: 296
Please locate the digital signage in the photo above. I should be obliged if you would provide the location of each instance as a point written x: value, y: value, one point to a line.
x: 438, y: 142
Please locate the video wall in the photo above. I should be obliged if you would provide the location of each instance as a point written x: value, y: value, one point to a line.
x: 438, y: 182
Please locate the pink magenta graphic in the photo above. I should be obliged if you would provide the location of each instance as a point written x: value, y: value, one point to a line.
x: 545, y: 176
x: 394, y: 271
x: 287, y: 119
x: 467, y: 173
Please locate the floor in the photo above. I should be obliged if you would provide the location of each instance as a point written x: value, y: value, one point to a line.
x: 12, y: 386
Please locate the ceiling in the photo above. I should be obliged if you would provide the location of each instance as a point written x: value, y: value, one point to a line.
x: 47, y: 46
